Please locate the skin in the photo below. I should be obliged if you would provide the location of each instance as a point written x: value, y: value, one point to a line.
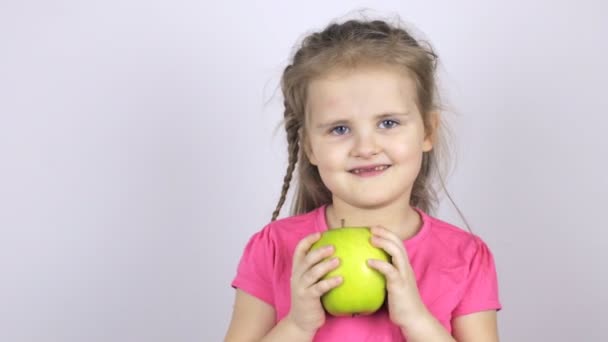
x: 361, y: 117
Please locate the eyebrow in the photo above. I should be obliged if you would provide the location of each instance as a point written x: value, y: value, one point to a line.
x: 339, y: 122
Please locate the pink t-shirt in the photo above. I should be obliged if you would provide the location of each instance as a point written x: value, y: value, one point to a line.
x: 454, y: 269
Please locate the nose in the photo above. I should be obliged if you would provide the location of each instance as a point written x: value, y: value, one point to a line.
x: 365, y: 145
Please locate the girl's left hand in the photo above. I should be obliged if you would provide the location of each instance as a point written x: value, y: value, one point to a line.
x: 405, y: 305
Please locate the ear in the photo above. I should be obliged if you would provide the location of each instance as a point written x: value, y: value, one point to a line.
x: 430, y: 136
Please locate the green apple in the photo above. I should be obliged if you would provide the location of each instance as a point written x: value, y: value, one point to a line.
x: 363, y: 288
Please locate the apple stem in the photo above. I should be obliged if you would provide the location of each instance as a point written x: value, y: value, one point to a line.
x: 342, y: 220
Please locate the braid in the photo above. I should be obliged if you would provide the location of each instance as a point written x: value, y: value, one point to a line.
x: 293, y: 146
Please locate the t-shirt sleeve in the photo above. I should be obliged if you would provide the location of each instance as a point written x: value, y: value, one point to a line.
x: 481, y: 290
x: 254, y: 272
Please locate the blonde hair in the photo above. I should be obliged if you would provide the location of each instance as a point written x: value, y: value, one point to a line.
x: 347, y: 45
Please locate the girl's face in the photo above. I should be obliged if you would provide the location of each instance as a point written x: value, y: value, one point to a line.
x: 365, y: 134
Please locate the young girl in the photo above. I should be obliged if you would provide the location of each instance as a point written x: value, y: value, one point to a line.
x: 362, y: 125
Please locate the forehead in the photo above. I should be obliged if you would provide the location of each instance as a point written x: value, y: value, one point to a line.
x: 359, y: 91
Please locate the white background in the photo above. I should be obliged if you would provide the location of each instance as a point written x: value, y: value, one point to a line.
x: 139, y: 153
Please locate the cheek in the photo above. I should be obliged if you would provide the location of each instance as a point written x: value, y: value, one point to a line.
x: 329, y: 155
x: 409, y: 150
x: 328, y: 160
x: 411, y: 159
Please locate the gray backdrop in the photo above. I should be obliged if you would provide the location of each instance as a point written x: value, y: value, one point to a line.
x: 138, y: 154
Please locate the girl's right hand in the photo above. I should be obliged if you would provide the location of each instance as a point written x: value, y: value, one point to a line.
x: 306, y: 290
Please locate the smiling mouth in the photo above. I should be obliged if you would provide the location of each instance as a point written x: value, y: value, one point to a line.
x: 369, y: 170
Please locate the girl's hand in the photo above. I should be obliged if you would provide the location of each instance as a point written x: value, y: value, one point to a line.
x: 404, y: 303
x: 306, y: 290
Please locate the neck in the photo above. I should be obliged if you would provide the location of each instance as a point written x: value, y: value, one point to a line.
x: 398, y: 217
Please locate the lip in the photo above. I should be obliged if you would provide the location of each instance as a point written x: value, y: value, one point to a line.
x: 371, y: 170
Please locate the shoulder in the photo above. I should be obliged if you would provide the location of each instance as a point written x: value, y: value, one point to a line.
x: 270, y: 249
x: 290, y: 230
x: 450, y: 239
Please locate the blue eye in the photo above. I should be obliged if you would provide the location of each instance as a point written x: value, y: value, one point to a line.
x: 339, y: 130
x: 388, y: 123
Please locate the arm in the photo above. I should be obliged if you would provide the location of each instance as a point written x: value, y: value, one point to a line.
x: 475, y: 327
x: 479, y: 326
x: 407, y: 310
x: 253, y: 320
x: 427, y: 329
x: 405, y: 306
x: 475, y: 318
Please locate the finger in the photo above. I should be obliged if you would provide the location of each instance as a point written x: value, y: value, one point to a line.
x: 315, y: 273
x: 397, y: 252
x: 301, y: 249
x: 389, y: 271
x: 313, y: 257
x: 390, y: 235
x: 325, y: 285
x: 387, y: 234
